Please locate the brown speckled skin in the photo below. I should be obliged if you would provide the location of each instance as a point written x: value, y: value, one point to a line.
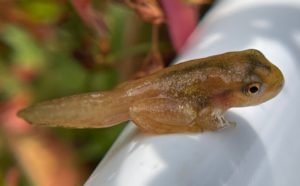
x: 188, y: 97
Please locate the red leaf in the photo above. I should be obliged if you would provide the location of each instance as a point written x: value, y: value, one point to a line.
x: 181, y: 20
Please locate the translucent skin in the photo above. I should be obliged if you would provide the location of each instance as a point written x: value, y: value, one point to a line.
x: 187, y: 97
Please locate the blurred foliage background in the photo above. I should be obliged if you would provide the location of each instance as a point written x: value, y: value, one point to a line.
x: 55, y: 48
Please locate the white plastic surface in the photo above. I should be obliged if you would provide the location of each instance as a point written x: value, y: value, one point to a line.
x: 264, y: 148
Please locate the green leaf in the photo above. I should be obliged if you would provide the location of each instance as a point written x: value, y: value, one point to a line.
x: 103, y: 80
x: 63, y: 77
x: 26, y: 52
x: 44, y: 11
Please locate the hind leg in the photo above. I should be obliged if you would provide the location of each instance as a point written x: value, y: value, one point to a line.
x: 164, y: 115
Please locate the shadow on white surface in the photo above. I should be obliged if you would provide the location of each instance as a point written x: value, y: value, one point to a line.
x: 233, y: 155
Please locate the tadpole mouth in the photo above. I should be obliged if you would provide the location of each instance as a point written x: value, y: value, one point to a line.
x: 276, y: 88
x: 280, y: 85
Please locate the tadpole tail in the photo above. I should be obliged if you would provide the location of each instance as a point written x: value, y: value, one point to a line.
x: 89, y: 110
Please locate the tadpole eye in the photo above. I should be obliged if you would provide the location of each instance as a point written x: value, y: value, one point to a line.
x: 253, y: 88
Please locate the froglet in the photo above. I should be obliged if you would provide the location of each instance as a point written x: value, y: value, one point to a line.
x: 187, y: 97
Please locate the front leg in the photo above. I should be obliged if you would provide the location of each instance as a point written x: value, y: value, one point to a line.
x: 164, y: 115
x: 212, y: 119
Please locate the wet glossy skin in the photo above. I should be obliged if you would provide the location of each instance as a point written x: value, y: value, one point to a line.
x: 188, y: 97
